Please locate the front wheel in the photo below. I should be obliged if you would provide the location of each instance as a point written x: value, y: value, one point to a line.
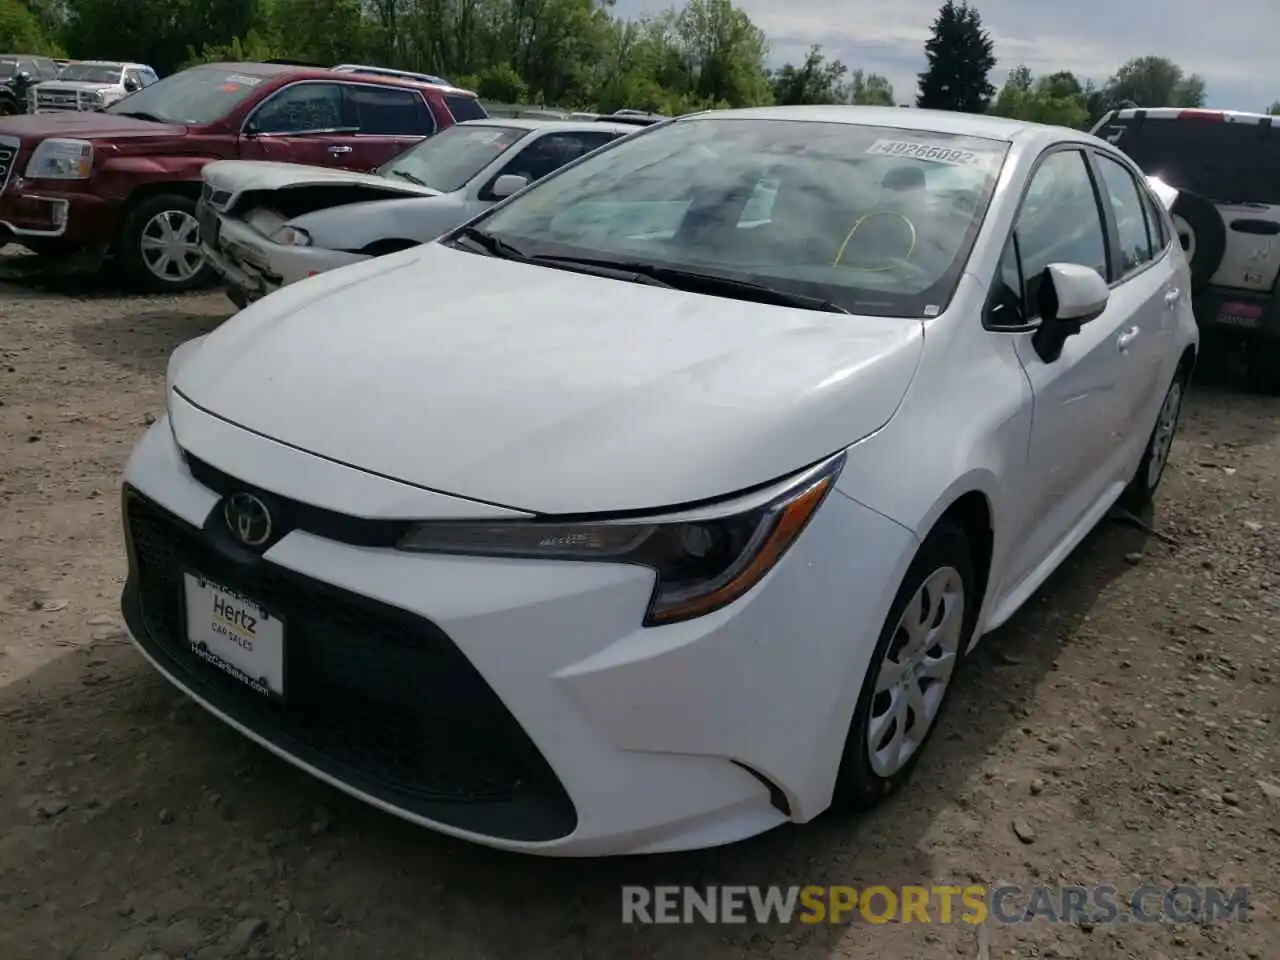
x: 8, y: 108
x: 159, y: 245
x: 921, y: 645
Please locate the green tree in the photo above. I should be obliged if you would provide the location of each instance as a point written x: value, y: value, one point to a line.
x: 21, y: 32
x: 1056, y: 99
x: 817, y: 80
x: 869, y: 90
x: 1155, y: 82
x: 961, y: 57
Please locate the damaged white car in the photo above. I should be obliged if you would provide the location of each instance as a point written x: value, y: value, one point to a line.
x: 264, y: 225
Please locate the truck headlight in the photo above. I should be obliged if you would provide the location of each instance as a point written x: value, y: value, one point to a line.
x: 60, y: 159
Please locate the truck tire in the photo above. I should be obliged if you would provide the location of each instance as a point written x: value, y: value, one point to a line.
x: 159, y: 245
x: 9, y: 107
x: 1207, y: 236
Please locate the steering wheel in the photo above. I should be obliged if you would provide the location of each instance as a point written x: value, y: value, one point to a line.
x: 904, y: 241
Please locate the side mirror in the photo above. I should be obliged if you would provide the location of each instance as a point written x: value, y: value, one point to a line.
x: 131, y: 85
x: 1069, y: 296
x: 22, y: 76
x: 507, y: 184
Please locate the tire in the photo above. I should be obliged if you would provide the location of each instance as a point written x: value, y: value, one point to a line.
x: 237, y: 298
x: 1155, y: 457
x: 9, y: 108
x: 1200, y: 226
x: 1263, y: 366
x: 945, y: 559
x: 147, y: 220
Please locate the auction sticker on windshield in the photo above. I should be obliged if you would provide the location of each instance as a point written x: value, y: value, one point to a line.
x: 235, y: 634
x: 932, y: 152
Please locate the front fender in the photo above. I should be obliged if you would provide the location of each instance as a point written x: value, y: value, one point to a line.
x: 120, y: 176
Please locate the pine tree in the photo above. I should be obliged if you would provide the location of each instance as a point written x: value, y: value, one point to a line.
x: 961, y: 57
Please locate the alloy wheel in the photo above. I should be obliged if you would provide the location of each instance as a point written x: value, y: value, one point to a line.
x: 1162, y: 437
x: 170, y: 246
x: 918, y: 666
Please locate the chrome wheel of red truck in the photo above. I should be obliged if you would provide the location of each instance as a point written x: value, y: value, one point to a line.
x: 159, y: 245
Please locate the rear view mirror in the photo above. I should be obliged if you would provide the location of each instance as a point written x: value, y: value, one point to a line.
x: 507, y: 184
x: 1069, y: 296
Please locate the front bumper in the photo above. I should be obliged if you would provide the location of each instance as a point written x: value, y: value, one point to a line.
x: 571, y: 730
x: 255, y: 265
x: 67, y: 211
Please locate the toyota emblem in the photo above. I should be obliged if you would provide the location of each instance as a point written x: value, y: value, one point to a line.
x: 248, y: 518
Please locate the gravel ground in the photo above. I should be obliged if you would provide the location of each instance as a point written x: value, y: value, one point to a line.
x: 1122, y: 730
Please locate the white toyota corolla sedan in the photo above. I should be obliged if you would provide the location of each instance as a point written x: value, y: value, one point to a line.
x: 660, y: 504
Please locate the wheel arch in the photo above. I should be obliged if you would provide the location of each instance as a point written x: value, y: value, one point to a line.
x: 972, y: 512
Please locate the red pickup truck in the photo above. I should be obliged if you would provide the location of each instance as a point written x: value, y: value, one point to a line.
x: 124, y: 181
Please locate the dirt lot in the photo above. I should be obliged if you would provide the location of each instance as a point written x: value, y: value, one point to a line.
x: 1129, y: 720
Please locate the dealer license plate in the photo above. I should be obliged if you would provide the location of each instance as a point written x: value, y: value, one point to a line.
x: 236, y: 634
x: 1240, y: 315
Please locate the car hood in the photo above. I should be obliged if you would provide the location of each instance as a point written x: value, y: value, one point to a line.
x: 71, y: 86
x: 241, y: 175
x: 356, y: 225
x: 545, y: 390
x: 85, y: 124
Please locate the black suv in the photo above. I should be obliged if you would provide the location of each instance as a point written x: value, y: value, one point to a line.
x: 18, y: 72
x: 1225, y: 166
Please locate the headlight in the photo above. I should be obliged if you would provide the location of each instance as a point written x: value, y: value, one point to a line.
x: 704, y: 560
x: 288, y: 236
x: 59, y: 159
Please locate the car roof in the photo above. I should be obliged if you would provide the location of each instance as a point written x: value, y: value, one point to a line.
x: 123, y: 64
x: 907, y: 118
x: 259, y: 69
x: 1182, y: 113
x: 530, y: 123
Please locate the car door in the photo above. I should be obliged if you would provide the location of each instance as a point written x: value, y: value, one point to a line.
x: 540, y: 155
x: 1146, y: 288
x: 1079, y: 400
x: 305, y: 122
x: 390, y: 121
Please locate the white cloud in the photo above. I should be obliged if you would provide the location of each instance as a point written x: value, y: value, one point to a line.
x: 1231, y: 44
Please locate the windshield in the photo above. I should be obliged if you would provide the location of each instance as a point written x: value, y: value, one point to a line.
x: 448, y: 161
x: 875, y: 220
x: 8, y: 68
x: 1227, y: 162
x: 199, y: 95
x: 91, y: 72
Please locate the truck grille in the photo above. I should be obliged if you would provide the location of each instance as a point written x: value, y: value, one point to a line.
x: 378, y: 698
x: 8, y: 154
x: 49, y: 101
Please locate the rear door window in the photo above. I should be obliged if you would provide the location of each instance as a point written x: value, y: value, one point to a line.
x: 465, y: 108
x: 1221, y: 161
x: 391, y: 111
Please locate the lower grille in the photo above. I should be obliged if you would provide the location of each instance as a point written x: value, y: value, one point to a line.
x: 378, y: 698
x: 52, y: 102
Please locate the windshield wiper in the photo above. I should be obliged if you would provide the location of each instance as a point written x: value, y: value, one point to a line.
x: 492, y: 245
x: 140, y: 115
x: 696, y: 280
x: 405, y: 175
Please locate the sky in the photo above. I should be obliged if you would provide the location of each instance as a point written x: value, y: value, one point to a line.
x: 1231, y: 43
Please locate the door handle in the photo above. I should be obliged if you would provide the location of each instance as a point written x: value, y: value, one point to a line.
x: 1125, y: 339
x: 1171, y: 298
x: 337, y: 148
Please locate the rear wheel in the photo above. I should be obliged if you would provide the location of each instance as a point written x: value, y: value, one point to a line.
x: 910, y: 675
x: 1263, y: 365
x: 159, y: 245
x: 1142, y: 488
